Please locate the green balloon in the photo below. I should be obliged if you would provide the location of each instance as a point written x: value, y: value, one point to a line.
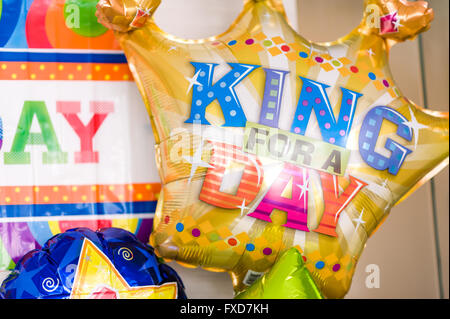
x: 80, y: 18
x: 287, y: 279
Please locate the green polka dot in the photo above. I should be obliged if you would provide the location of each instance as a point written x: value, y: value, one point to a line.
x: 213, y: 237
x: 336, y: 63
x: 267, y: 43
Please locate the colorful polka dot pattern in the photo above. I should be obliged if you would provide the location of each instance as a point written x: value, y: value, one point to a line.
x: 275, y: 45
x: 294, y: 51
x: 26, y: 195
x: 64, y: 71
x: 204, y: 234
x: 328, y: 266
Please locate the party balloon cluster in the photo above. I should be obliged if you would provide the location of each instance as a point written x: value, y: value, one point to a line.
x: 80, y: 263
x: 267, y: 141
x: 279, y: 157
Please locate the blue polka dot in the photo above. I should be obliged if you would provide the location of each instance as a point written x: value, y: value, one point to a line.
x: 232, y: 42
x: 372, y: 76
x: 250, y: 247
x: 320, y: 264
x: 179, y: 227
x: 303, y: 55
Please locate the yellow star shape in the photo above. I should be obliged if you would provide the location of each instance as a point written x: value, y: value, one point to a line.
x: 261, y: 41
x: 91, y: 283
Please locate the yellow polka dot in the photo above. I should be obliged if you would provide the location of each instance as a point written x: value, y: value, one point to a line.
x: 111, y: 188
x: 60, y: 67
x: 79, y: 68
x: 7, y: 199
x: 107, y: 77
x: 97, y: 68
x: 83, y: 197
x: 55, y: 188
x: 42, y: 67
x: 139, y: 196
x: 70, y: 76
x: 36, y: 189
x: 32, y: 76
x: 46, y: 199
x: 126, y: 77
x: 120, y: 197
x: 89, y: 77
x: 102, y: 197
x: 130, y: 187
x: 4, y: 66
x: 23, y: 66
x: 93, y: 188
x: 17, y: 189
x: 52, y: 76
x: 65, y: 198
x: 74, y: 188
x: 116, y: 68
x: 14, y: 76
x: 27, y: 199
x: 148, y: 187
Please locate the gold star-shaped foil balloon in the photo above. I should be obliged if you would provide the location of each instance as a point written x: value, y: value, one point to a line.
x: 267, y: 141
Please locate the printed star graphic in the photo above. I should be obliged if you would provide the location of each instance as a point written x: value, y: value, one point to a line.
x: 146, y: 12
x: 196, y: 162
x: 359, y: 220
x: 397, y: 22
x: 30, y: 287
x: 370, y: 52
x: 242, y: 207
x: 415, y: 126
x: 193, y: 81
x: 304, y: 188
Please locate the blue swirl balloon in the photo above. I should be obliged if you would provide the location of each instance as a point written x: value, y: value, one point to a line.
x: 49, y: 273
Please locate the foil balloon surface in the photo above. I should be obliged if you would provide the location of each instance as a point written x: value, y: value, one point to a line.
x: 76, y: 144
x: 287, y: 279
x: 267, y: 141
x: 82, y: 264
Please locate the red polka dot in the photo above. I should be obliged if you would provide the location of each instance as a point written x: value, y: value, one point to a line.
x: 354, y: 69
x: 166, y: 219
x: 285, y: 48
x: 304, y: 258
x: 319, y: 59
x: 232, y: 242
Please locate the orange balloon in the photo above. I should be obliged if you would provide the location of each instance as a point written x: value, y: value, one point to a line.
x: 62, y: 37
